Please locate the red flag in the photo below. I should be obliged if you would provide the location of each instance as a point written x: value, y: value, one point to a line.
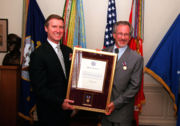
x: 136, y: 20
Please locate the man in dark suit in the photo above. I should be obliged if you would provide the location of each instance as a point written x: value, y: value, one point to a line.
x: 127, y: 79
x: 49, y: 76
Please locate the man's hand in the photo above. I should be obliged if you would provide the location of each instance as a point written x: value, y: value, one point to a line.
x: 110, y: 108
x: 66, y: 105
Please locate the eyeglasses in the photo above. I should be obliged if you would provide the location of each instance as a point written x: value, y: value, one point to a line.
x: 123, y: 34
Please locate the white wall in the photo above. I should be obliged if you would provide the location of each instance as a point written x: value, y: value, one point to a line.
x: 95, y: 12
x: 11, y: 10
x: 159, y: 15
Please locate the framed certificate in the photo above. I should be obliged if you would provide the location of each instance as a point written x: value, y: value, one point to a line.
x: 91, y: 79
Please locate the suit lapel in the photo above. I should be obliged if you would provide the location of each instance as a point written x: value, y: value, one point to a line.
x: 123, y: 59
x: 51, y: 51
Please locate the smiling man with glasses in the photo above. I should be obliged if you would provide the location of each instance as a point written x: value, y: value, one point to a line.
x: 127, y: 78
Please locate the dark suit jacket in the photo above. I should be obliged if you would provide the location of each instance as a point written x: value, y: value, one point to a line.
x: 125, y: 86
x: 49, y: 82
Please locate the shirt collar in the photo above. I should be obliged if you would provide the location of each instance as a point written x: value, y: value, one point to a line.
x: 54, y: 45
x: 123, y: 48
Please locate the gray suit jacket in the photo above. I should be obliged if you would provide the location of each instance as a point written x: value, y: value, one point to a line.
x: 126, y: 84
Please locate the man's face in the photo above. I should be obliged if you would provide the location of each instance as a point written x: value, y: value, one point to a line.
x: 55, y: 30
x: 122, y: 35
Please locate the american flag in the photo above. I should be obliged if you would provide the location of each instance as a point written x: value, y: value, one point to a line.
x: 111, y: 19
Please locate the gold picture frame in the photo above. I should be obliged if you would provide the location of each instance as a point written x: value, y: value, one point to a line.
x: 3, y: 34
x: 91, y: 78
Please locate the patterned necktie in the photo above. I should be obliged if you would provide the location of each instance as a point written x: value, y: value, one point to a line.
x: 60, y: 56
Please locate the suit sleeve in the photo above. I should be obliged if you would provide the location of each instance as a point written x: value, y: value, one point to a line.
x: 133, y: 85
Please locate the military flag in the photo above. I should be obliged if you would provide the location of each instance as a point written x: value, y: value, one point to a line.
x: 34, y: 35
x: 73, y: 14
x: 136, y: 19
x: 164, y: 64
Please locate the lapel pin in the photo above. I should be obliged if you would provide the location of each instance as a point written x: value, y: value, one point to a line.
x: 70, y: 56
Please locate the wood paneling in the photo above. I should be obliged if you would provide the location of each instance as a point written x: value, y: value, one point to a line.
x: 9, y: 85
x: 158, y: 108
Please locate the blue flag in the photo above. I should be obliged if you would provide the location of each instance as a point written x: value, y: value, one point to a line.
x: 164, y: 64
x: 111, y: 20
x: 34, y: 36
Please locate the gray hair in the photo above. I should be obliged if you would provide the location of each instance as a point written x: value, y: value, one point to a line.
x: 122, y: 23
